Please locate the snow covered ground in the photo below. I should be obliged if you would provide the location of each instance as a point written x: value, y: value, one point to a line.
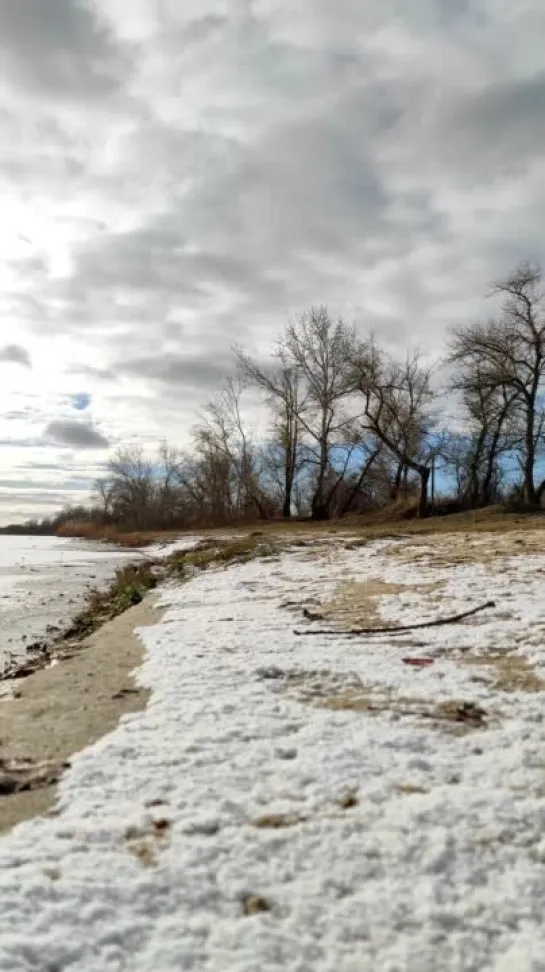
x: 298, y: 803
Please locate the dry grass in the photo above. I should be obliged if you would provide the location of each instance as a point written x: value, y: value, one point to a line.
x: 357, y: 603
x: 385, y: 523
x: 218, y: 552
x: 454, y: 715
x: 510, y: 672
x: 345, y: 692
x: 277, y: 821
x: 122, y: 538
x: 410, y: 789
x: 317, y: 685
x: 467, y: 548
x: 375, y: 525
x: 127, y: 589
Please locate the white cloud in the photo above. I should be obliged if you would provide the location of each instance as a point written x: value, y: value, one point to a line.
x: 177, y: 177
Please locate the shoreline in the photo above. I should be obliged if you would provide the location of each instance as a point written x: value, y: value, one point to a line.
x: 59, y: 710
x: 75, y: 690
x: 44, y: 586
x: 131, y: 581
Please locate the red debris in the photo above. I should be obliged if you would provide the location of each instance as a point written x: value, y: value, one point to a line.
x: 418, y: 661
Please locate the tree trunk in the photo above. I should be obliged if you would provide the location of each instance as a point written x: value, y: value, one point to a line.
x: 357, y: 485
x: 320, y: 510
x: 540, y: 492
x: 289, y: 478
x: 423, y: 508
x: 475, y: 485
x: 320, y: 505
x: 398, y: 479
x: 530, y: 493
x: 486, y: 492
x: 530, y: 496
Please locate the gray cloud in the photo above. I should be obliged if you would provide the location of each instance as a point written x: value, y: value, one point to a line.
x: 206, y: 373
x: 62, y: 48
x: 15, y: 354
x: 474, y: 137
x: 78, y: 435
x: 187, y: 176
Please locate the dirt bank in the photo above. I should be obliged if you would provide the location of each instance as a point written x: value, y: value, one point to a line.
x: 58, y: 711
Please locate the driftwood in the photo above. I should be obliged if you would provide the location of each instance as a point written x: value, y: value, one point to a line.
x: 18, y: 776
x: 354, y: 632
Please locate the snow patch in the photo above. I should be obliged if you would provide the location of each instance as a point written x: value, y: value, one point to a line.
x: 434, y: 862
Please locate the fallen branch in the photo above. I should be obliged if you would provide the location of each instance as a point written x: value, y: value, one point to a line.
x: 353, y: 632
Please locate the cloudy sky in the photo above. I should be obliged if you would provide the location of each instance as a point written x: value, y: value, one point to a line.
x: 179, y: 176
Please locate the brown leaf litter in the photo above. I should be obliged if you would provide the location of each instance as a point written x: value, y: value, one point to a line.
x: 147, y: 843
x: 346, y: 692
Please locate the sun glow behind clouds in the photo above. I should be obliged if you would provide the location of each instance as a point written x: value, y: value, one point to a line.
x: 178, y: 177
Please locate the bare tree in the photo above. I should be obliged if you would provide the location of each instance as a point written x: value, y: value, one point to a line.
x: 222, y: 439
x: 169, y: 509
x: 320, y: 349
x: 509, y: 357
x: 309, y: 384
x: 103, y: 496
x: 397, y: 401
x: 355, y: 478
x: 281, y: 383
x: 205, y: 478
x: 488, y: 417
x: 130, y: 485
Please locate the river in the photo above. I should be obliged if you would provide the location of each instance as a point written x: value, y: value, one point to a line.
x: 44, y: 581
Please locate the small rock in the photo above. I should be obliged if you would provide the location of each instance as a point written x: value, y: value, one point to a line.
x: 289, y: 753
x: 254, y: 904
x: 162, y: 825
x: 348, y: 800
x: 270, y: 671
x: 53, y: 873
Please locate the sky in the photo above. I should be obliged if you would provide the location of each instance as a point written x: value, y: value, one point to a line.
x: 180, y: 177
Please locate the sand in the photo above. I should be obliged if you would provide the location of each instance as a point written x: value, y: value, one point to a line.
x: 60, y: 710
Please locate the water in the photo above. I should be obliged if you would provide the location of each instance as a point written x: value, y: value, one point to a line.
x: 44, y: 581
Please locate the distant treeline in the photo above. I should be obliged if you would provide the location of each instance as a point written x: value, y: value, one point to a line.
x: 351, y: 429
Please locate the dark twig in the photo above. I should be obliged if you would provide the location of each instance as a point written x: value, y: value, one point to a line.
x: 353, y: 632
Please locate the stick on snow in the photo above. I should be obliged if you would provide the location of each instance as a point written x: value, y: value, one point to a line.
x: 354, y: 632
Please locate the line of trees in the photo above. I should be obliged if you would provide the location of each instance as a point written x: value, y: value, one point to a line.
x: 351, y: 428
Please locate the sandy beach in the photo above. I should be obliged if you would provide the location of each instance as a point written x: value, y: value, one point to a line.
x: 62, y: 709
